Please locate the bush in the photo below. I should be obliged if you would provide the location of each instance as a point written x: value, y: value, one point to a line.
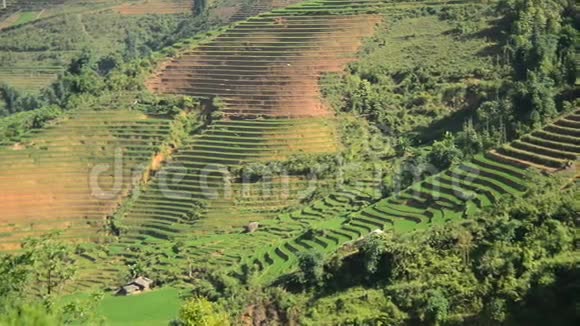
x: 311, y: 266
x: 200, y: 312
x: 12, y: 128
x: 444, y: 153
x: 15, y: 102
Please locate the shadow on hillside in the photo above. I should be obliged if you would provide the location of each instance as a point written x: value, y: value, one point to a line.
x: 350, y: 272
x: 452, y: 123
x: 494, y: 34
x: 497, y: 38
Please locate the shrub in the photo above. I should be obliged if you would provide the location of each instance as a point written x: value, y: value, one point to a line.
x: 311, y: 266
x: 199, y: 311
x: 444, y: 153
x: 12, y: 128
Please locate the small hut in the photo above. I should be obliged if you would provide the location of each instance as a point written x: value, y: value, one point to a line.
x: 377, y: 232
x: 252, y: 227
x: 138, y: 285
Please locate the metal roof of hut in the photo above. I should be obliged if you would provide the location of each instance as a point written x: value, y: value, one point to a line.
x: 142, y: 282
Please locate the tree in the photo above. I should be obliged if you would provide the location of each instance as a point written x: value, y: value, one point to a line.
x: 83, y: 61
x: 88, y: 81
x: 540, y: 49
x: 30, y: 314
x: 444, y: 153
x: 47, y: 262
x: 372, y: 249
x: 437, y: 306
x: 131, y: 46
x: 199, y: 7
x: 48, y: 313
x: 14, y: 273
x: 106, y: 64
x: 200, y: 312
x: 58, y: 92
x: 51, y: 261
x: 10, y: 96
x: 311, y: 266
x: 464, y: 244
x: 469, y: 141
x: 496, y: 311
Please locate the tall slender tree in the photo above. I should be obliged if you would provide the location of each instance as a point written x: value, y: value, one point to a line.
x: 199, y: 7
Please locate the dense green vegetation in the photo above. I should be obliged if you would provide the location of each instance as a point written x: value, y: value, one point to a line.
x: 429, y: 71
x: 487, y: 94
x: 510, y: 264
x: 492, y: 268
x: 32, y: 280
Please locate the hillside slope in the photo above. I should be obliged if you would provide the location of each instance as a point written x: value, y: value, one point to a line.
x: 262, y: 78
x: 264, y: 75
x: 71, y: 175
x: 265, y: 72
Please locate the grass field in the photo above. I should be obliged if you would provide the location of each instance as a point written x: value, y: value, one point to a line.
x: 26, y: 17
x: 157, y: 307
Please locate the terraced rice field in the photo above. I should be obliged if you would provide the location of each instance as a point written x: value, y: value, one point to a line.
x: 451, y: 195
x: 9, y: 20
x: 257, y: 7
x: 552, y: 149
x: 267, y: 66
x: 12, y: 16
x: 200, y: 171
x: 26, y: 17
x: 15, y: 5
x: 29, y: 81
x: 161, y: 7
x: 266, y: 71
x: 71, y: 175
x: 19, y: 12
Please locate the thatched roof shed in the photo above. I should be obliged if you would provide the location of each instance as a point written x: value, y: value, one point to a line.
x: 138, y: 285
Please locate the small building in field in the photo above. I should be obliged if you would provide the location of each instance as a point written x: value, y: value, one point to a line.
x: 138, y: 285
x: 252, y: 227
x: 377, y: 232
